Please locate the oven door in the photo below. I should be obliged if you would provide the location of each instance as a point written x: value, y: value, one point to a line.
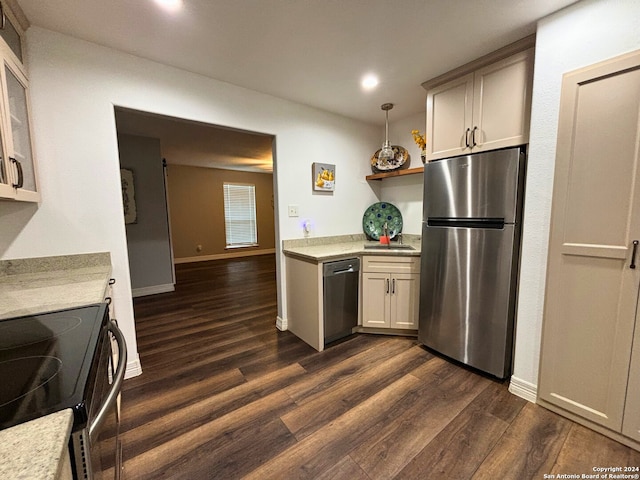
x: 96, y: 448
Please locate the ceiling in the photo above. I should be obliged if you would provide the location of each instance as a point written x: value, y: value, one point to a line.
x: 312, y: 52
x: 185, y: 142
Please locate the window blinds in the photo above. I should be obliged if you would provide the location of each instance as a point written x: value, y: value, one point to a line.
x: 240, y: 215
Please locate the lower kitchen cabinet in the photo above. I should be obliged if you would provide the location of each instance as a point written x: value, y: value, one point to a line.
x: 304, y: 301
x: 390, y: 292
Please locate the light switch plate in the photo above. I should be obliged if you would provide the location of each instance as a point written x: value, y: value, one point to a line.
x: 293, y: 210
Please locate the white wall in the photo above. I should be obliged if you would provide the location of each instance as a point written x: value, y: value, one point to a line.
x: 585, y: 33
x: 74, y: 87
x: 148, y: 243
x: 406, y: 192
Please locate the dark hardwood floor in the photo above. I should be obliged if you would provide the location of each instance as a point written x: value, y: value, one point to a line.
x: 226, y: 395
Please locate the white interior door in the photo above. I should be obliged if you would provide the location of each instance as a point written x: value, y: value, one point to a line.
x: 592, y: 292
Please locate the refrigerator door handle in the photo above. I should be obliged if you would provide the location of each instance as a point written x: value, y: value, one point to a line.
x: 497, y: 223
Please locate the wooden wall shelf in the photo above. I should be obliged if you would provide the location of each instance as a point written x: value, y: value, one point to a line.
x: 395, y: 173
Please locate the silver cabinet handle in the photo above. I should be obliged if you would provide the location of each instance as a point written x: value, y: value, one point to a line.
x: 633, y: 254
x: 118, y: 377
x: 473, y: 137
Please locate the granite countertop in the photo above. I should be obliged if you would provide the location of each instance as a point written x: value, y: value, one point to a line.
x: 36, y: 449
x: 30, y: 286
x: 322, y: 249
x: 37, y: 285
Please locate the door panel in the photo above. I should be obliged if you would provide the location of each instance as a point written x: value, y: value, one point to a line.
x: 465, y: 307
x: 449, y: 110
x: 19, y: 120
x: 405, y: 293
x: 602, y: 179
x: 631, y: 421
x: 375, y: 299
x: 591, y: 293
x: 502, y: 102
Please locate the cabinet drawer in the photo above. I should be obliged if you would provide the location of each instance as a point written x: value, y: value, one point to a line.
x: 389, y: 264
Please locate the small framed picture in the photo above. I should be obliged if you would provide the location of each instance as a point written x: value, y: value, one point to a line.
x: 324, y: 177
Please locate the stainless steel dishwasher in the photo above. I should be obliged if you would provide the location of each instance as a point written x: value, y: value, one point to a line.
x: 340, y: 285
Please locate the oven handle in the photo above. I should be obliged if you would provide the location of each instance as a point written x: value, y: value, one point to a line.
x: 117, y: 379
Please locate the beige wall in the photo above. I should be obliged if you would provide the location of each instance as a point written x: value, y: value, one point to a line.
x: 196, y: 208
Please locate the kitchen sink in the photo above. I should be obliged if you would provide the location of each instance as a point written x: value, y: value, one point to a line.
x: 379, y: 246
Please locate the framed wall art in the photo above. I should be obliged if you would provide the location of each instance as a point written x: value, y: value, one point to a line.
x: 324, y: 177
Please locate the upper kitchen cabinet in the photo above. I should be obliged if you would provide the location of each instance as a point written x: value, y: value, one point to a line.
x: 18, y: 179
x: 483, y: 105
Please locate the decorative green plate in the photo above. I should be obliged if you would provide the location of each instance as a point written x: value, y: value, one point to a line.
x: 375, y: 217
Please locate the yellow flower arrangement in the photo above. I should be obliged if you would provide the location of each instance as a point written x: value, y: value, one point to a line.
x: 420, y: 140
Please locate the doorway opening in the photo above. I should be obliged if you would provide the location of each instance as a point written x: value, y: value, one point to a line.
x: 173, y: 173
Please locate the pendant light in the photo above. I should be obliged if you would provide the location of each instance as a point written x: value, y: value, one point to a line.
x: 386, y: 153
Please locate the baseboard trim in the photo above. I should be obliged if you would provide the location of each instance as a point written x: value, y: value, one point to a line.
x: 222, y: 256
x: 134, y: 368
x: 385, y: 331
x: 281, y: 324
x: 152, y: 290
x: 523, y: 389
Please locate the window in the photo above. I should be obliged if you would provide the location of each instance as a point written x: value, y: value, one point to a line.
x: 240, y: 215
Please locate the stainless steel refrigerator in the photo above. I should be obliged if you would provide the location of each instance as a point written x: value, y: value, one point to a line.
x: 470, y: 257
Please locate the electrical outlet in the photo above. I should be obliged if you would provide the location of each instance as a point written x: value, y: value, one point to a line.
x: 293, y: 210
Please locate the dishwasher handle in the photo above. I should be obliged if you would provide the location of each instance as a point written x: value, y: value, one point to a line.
x: 346, y: 270
x: 341, y: 267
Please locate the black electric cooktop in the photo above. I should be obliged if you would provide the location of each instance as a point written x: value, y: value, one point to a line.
x: 46, y: 363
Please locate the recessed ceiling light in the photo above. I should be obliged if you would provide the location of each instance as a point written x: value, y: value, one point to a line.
x: 170, y: 5
x: 369, y: 81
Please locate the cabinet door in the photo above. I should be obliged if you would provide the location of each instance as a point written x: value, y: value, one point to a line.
x: 502, y: 103
x: 591, y: 291
x: 6, y: 170
x: 631, y: 422
x: 19, y: 141
x: 449, y: 115
x: 405, y: 297
x: 376, y: 297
